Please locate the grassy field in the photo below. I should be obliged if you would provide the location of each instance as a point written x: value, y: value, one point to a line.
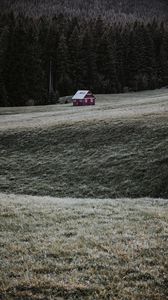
x: 99, y: 237
x: 83, y: 249
x: 108, y: 107
x: 121, y: 158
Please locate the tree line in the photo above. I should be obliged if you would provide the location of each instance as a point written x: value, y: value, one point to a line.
x: 84, y: 54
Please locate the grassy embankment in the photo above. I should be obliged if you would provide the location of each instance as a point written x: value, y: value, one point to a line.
x: 119, y: 158
x: 85, y: 249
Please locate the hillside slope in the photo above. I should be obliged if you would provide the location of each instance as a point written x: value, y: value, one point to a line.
x: 115, y: 149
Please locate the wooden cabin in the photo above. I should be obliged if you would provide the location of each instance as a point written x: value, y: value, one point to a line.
x: 83, y: 98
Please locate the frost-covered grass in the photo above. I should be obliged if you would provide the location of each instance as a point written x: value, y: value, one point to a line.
x: 53, y: 248
x: 108, y: 107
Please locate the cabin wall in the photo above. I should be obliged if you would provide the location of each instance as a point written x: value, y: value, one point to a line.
x: 85, y: 101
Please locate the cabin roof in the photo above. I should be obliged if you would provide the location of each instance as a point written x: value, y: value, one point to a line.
x: 80, y: 94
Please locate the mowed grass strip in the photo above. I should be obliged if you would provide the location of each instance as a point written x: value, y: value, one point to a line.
x: 83, y: 248
x: 121, y: 158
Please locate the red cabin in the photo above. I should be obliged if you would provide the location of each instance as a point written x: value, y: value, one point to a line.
x: 83, y: 98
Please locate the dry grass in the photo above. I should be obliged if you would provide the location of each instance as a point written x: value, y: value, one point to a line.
x: 83, y: 249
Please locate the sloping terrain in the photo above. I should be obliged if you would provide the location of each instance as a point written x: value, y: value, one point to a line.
x: 82, y: 243
x: 83, y: 249
x: 114, y: 149
x: 108, y: 107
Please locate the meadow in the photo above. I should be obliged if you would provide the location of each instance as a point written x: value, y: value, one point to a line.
x: 83, y: 199
x: 55, y: 248
x: 117, y: 148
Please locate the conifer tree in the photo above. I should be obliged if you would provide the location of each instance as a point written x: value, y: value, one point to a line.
x: 111, y: 63
x: 164, y: 58
x: 74, y: 47
x: 88, y: 61
x: 62, y: 67
x: 120, y: 59
x: 16, y: 68
x: 34, y: 73
x: 3, y: 47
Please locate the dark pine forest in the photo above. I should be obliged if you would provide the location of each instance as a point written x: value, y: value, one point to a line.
x: 108, y: 48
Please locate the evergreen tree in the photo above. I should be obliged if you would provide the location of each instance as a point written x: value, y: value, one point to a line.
x: 3, y: 47
x: 89, y: 73
x: 34, y: 74
x: 111, y: 63
x: 74, y: 58
x: 16, y: 68
x: 120, y: 59
x: 164, y: 58
x: 3, y: 93
x: 62, y: 68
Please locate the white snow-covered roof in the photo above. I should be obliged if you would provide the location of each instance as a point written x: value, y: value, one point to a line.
x: 80, y: 94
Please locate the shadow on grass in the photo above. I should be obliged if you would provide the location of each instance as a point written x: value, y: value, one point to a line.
x: 104, y: 159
